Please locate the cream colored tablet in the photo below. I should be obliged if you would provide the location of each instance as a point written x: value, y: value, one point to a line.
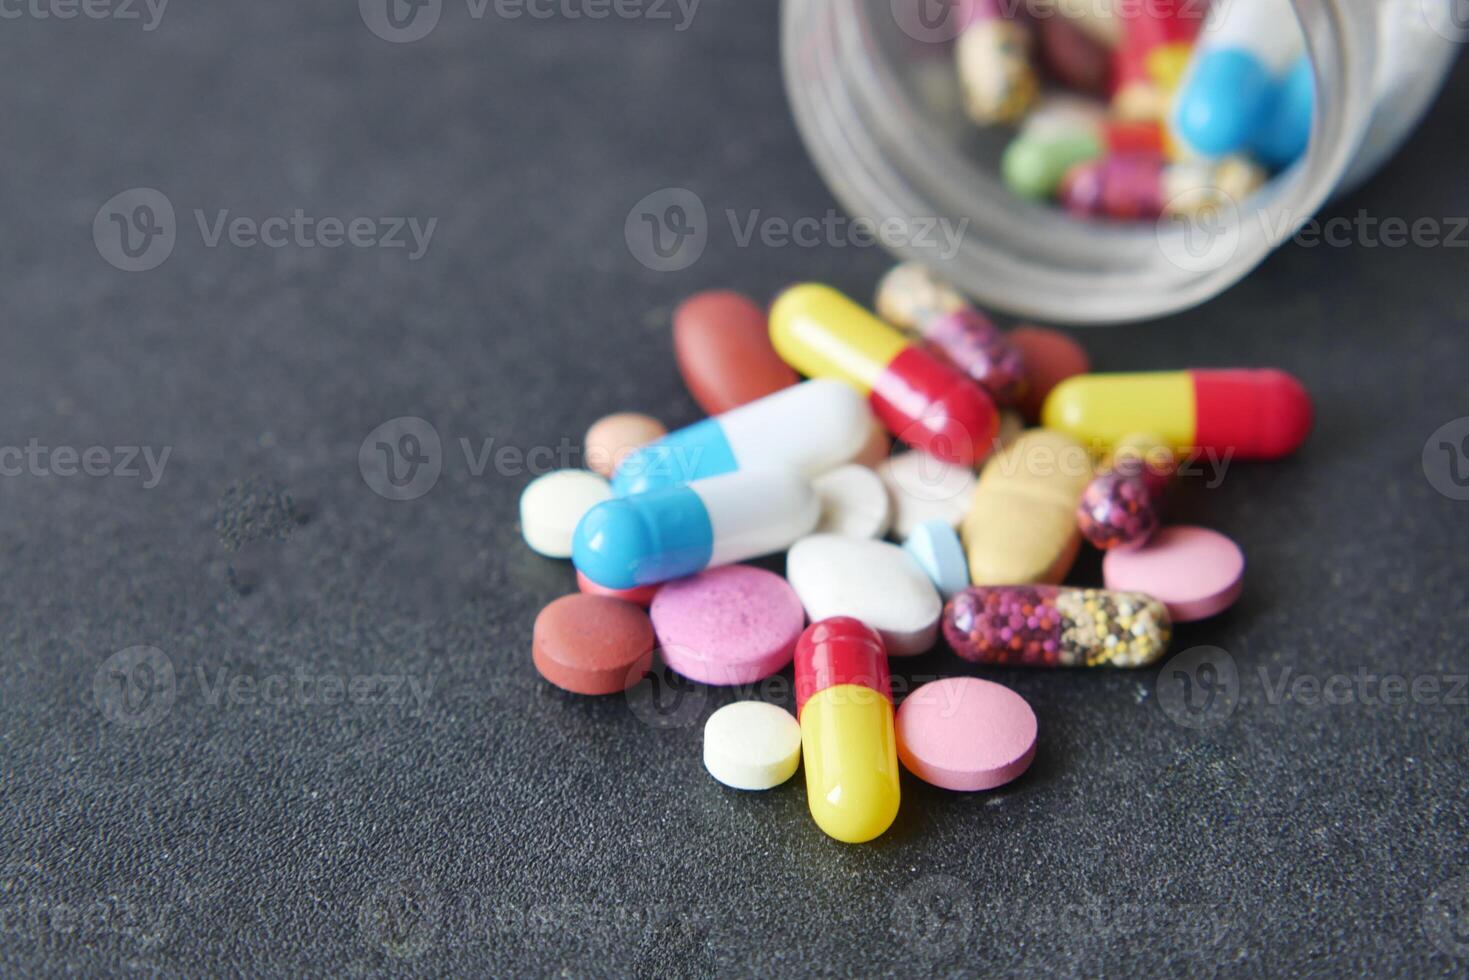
x: 552, y: 504
x: 752, y: 745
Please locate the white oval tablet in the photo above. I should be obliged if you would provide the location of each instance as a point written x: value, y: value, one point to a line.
x: 853, y: 502
x: 551, y: 506
x: 923, y: 488
x: 874, y: 581
x: 752, y: 745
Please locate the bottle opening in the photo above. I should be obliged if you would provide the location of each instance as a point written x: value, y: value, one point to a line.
x: 878, y: 100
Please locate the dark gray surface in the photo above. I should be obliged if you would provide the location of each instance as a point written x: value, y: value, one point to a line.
x: 501, y: 826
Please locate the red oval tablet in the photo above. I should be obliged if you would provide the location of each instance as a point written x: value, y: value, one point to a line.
x: 722, y: 342
x: 1050, y: 358
x: 592, y: 644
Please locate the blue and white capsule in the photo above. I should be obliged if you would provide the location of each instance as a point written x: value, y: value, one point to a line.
x: 671, y: 532
x: 1237, y: 76
x: 811, y: 427
x: 1287, y: 129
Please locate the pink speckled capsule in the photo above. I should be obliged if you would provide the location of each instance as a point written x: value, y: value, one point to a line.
x: 1145, y: 456
x: 1056, y: 626
x: 1116, y: 511
x: 1123, y: 186
x: 967, y: 339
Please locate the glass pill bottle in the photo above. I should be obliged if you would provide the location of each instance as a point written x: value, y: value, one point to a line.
x: 876, y: 98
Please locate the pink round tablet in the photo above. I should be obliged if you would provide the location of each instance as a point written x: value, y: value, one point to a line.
x: 1193, y: 571
x: 966, y: 734
x: 731, y: 625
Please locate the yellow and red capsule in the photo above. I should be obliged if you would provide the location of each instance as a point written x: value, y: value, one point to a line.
x: 844, y: 702
x: 1248, y: 413
x: 919, y: 398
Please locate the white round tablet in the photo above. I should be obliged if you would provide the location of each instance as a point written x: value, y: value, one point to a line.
x: 923, y: 488
x: 853, y: 502
x: 551, y: 506
x: 752, y: 745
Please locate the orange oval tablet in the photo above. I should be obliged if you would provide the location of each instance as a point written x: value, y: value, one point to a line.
x: 1050, y: 358
x: 592, y: 644
x: 722, y: 342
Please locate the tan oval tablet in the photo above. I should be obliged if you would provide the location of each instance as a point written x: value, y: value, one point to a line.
x: 613, y: 437
x: 1021, y: 524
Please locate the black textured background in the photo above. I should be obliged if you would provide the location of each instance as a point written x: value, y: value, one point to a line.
x: 499, y: 826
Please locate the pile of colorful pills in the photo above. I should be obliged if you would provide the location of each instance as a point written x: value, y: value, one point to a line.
x: 1134, y: 110
x: 962, y: 538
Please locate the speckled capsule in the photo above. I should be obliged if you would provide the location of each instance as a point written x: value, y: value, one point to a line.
x: 969, y: 341
x: 1065, y: 133
x: 914, y: 300
x: 1123, y: 187
x: 1116, y: 511
x: 1147, y: 456
x: 1056, y: 626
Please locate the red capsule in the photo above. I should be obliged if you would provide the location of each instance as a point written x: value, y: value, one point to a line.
x: 969, y: 341
x: 848, y: 745
x: 1148, y: 30
x: 840, y: 650
x: 1260, y: 414
x: 920, y: 398
x: 1133, y: 136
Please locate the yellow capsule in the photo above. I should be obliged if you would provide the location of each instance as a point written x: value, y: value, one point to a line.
x: 1100, y: 409
x: 850, y: 753
x: 1249, y: 413
x: 921, y: 399
x: 823, y: 334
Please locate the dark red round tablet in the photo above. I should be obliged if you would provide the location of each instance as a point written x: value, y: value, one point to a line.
x: 592, y: 644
